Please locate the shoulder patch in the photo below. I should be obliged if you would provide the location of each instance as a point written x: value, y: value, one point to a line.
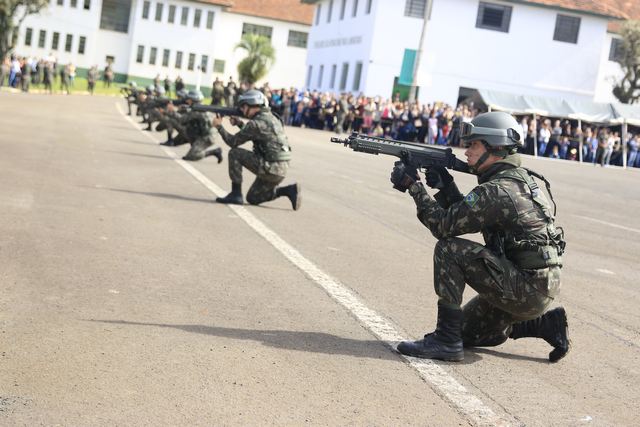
x: 471, y: 199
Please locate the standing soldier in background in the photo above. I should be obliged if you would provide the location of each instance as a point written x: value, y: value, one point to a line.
x: 167, y: 86
x: 179, y: 85
x: 217, y: 92
x: 230, y: 93
x: 108, y: 75
x: 516, y: 273
x: 341, y: 113
x: 92, y: 77
x: 64, y: 78
x: 269, y: 160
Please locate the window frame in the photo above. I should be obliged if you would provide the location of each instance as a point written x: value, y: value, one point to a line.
x: 153, y: 55
x: 68, y: 43
x: 197, y: 18
x: 159, y: 11
x: 55, y: 40
x: 146, y: 7
x: 28, y: 36
x: 561, y: 30
x: 344, y: 76
x: 184, y: 16
x: 507, y: 12
x: 86, y: 5
x: 354, y: 10
x: 249, y: 28
x: 82, y: 45
x: 166, y: 57
x: 140, y: 54
x: 616, y: 51
x: 210, y: 17
x: 299, y: 40
x: 217, y: 66
x: 178, y: 61
x: 42, y: 39
x: 191, y: 62
x: 204, y: 63
x: 171, y: 18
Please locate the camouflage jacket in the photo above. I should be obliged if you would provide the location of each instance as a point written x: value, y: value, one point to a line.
x: 512, y: 214
x: 267, y: 133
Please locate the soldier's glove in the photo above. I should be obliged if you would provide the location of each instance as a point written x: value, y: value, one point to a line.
x: 235, y: 121
x: 402, y: 176
x: 438, y: 177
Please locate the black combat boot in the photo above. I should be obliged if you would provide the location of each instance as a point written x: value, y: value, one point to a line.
x: 214, y: 152
x: 293, y: 192
x: 552, y: 327
x: 168, y: 142
x: 445, y: 343
x: 235, y: 197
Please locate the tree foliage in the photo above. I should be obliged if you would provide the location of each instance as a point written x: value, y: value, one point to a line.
x: 12, y: 14
x: 260, y: 58
x: 627, y: 90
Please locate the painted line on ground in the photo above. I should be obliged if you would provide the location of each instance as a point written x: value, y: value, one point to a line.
x: 468, y: 405
x: 610, y: 224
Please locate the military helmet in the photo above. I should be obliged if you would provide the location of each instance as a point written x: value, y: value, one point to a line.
x: 151, y: 88
x: 160, y: 90
x: 195, y: 95
x: 252, y: 97
x: 182, y: 93
x: 497, y: 129
x: 133, y: 84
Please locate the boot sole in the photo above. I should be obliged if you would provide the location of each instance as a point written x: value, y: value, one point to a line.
x: 559, y: 353
x: 298, y: 201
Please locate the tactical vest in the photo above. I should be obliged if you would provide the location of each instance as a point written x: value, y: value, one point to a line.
x: 533, y: 241
x: 272, y: 144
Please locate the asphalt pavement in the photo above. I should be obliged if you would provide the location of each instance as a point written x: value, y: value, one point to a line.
x: 128, y: 297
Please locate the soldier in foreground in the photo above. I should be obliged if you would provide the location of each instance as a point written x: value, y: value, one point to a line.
x: 517, y: 272
x: 269, y: 160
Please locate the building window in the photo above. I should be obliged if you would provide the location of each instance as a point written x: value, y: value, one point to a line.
x: 165, y: 57
x: 354, y: 12
x: 27, y: 36
x: 204, y: 63
x: 493, y: 17
x: 55, y: 41
x: 218, y: 66
x: 115, y: 15
x: 140, y: 54
x: 309, y: 72
x: 616, y: 52
x: 185, y: 16
x: 82, y: 45
x: 334, y: 69
x: 567, y: 29
x: 356, y: 77
x: 196, y: 18
x: 42, y: 36
x: 145, y: 9
x: 369, y: 3
x: 87, y: 5
x: 413, y: 8
x: 60, y: 3
x: 153, y: 52
x: 192, y: 62
x: 74, y: 3
x: 343, y: 6
x: 330, y: 11
x: 320, y: 76
x: 260, y: 30
x: 345, y: 74
x: 318, y: 11
x: 159, y: 10
x: 178, y: 59
x: 172, y: 14
x: 209, y: 20
x: 68, y: 43
x: 297, y: 39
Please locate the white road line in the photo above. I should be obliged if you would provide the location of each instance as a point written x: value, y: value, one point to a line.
x: 605, y: 271
x: 610, y: 224
x: 440, y: 381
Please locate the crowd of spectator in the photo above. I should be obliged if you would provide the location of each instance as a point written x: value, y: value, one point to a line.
x: 21, y: 72
x: 438, y: 123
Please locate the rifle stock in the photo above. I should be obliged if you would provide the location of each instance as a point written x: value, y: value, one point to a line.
x: 412, y: 154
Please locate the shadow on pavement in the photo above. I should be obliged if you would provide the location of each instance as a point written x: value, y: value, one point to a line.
x: 153, y: 156
x: 316, y: 342
x: 161, y: 195
x: 505, y: 355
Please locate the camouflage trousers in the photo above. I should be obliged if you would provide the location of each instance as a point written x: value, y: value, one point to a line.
x: 268, y: 174
x: 198, y: 148
x: 506, y: 293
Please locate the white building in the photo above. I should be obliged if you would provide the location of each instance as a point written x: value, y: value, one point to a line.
x: 193, y: 39
x: 534, y: 47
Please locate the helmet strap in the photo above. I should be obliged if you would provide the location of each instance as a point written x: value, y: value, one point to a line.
x: 481, y: 160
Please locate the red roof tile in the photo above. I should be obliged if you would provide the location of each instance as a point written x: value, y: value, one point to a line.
x: 283, y: 10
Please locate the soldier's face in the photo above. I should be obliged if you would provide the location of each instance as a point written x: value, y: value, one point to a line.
x: 475, y: 150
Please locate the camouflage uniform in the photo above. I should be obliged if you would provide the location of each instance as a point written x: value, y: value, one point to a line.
x: 197, y: 126
x: 269, y: 160
x: 517, y: 272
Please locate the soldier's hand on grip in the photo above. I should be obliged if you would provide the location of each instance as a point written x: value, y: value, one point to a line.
x: 402, y: 176
x: 438, y: 177
x: 234, y: 121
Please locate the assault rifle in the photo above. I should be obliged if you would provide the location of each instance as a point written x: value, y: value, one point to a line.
x: 221, y: 111
x: 420, y: 156
x: 162, y: 102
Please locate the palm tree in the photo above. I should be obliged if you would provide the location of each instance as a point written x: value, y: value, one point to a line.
x: 260, y: 57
